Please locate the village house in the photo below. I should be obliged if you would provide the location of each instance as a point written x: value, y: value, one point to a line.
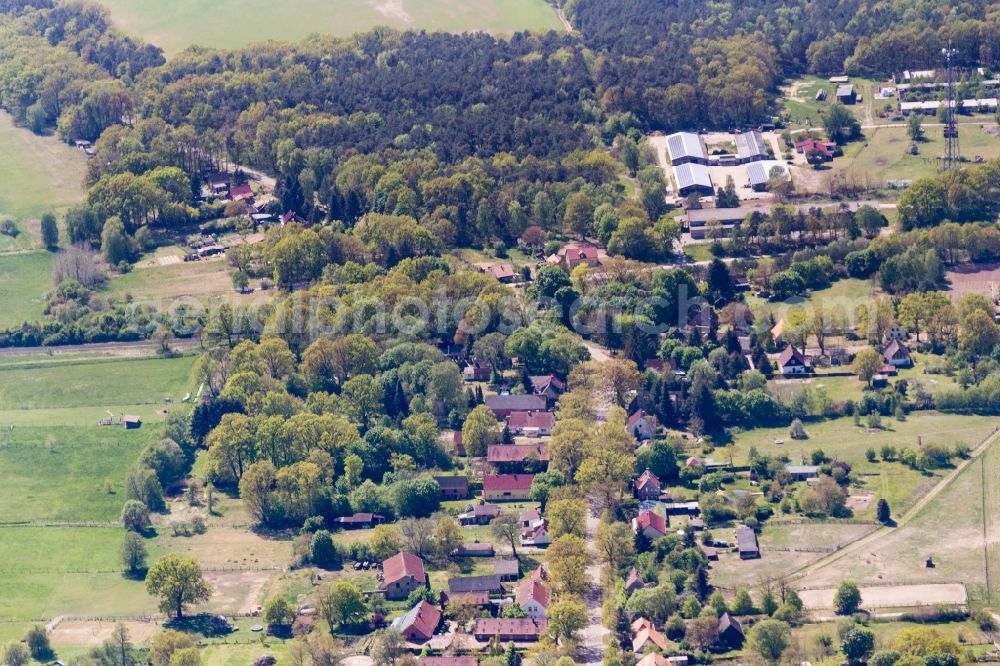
x: 419, y: 624
x: 534, y: 598
x: 453, y: 487
x: 792, y: 362
x: 730, y: 632
x: 531, y: 424
x: 536, y: 534
x: 241, y: 193
x: 574, y: 254
x: 477, y: 371
x: 549, y: 386
x: 825, y: 149
x: 502, y: 272
x: 401, y: 574
x: 505, y: 405
x: 488, y: 583
x: 508, y: 570
x: 846, y: 94
x: 529, y: 516
x: 634, y: 581
x: 645, y: 637
x: 897, y: 355
x: 520, y: 630
x: 801, y: 472
x: 360, y: 521
x: 647, y: 486
x: 507, y: 487
x: 650, y: 523
x: 516, y: 458
x: 746, y: 543
x: 480, y: 514
x: 640, y: 425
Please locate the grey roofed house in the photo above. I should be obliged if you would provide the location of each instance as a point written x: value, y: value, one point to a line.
x: 750, y: 146
x: 507, y: 569
x: 746, y: 543
x: 684, y: 147
x: 801, y: 472
x: 490, y: 583
x: 503, y: 405
x: 845, y: 93
x: 692, y: 177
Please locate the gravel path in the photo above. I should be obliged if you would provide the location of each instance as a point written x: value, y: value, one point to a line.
x: 591, y: 649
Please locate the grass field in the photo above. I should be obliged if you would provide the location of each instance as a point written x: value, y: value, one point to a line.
x: 884, y: 155
x: 95, y: 383
x: 842, y: 440
x: 950, y: 529
x: 58, y: 472
x: 38, y: 173
x: 24, y: 280
x: 229, y: 23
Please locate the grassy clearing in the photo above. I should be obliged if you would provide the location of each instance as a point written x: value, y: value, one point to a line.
x: 204, y: 282
x: 182, y: 23
x: 58, y: 472
x: 24, y: 280
x: 842, y: 440
x: 37, y: 173
x: 805, y: 639
x: 885, y: 154
x: 800, y: 99
x: 95, y: 383
x: 954, y: 538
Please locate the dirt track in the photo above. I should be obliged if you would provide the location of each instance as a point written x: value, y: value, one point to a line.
x: 868, y: 540
x: 891, y: 596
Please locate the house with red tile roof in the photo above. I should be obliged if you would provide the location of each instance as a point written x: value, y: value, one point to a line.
x: 515, y: 458
x: 519, y: 630
x: 647, y: 486
x: 646, y: 637
x: 536, y: 534
x: 419, y: 624
x: 502, y: 272
x: 241, y: 193
x: 401, y: 574
x: 534, y: 598
x: 792, y: 362
x: 650, y: 523
x: 507, y: 487
x: 640, y: 425
x: 574, y: 254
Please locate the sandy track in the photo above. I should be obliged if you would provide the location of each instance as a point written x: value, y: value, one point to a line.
x: 891, y: 596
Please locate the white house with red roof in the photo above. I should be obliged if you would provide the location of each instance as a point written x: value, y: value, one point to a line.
x: 536, y: 534
x: 792, y: 362
x: 640, y: 425
x: 650, y: 523
x: 533, y: 597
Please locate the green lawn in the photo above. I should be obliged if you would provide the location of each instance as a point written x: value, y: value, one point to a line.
x: 58, y: 472
x: 24, y: 280
x: 96, y: 384
x: 230, y: 23
x: 800, y: 103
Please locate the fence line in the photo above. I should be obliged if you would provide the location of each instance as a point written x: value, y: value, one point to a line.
x: 221, y: 569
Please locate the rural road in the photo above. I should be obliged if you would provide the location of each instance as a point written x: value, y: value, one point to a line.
x: 591, y: 647
x: 903, y: 520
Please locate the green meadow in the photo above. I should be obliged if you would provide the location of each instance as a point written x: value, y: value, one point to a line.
x: 232, y: 23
